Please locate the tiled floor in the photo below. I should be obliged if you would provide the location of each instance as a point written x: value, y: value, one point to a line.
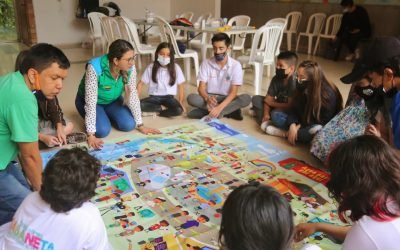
x: 78, y: 57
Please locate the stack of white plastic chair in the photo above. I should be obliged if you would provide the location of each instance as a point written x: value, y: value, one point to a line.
x: 263, y: 50
x: 133, y: 37
x: 239, y: 40
x: 332, y: 26
x: 293, y: 20
x: 168, y: 35
x: 179, y: 33
x: 96, y: 31
x: 111, y: 29
x: 203, y: 43
x: 314, y: 27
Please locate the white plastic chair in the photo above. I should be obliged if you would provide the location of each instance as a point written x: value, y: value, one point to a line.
x: 314, y: 27
x: 168, y: 35
x: 293, y: 21
x: 111, y: 29
x: 96, y: 30
x: 276, y: 21
x: 188, y: 15
x: 133, y: 38
x: 332, y: 26
x: 263, y: 50
x: 238, y: 40
x: 205, y: 17
x: 204, y: 43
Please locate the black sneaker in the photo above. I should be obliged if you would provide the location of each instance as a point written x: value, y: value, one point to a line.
x: 236, y: 115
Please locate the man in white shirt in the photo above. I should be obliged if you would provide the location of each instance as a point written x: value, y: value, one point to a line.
x: 60, y: 215
x: 220, y: 78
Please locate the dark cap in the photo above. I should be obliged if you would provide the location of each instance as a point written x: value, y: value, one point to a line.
x: 377, y: 54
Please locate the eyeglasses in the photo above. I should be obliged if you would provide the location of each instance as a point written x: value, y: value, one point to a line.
x: 131, y: 59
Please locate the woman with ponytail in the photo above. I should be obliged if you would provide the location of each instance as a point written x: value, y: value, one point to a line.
x: 99, y: 99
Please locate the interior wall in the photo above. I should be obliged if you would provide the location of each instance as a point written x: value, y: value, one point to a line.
x: 384, y: 18
x: 197, y: 7
x: 56, y: 22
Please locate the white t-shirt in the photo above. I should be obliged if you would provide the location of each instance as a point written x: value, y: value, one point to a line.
x: 369, y: 234
x: 162, y: 88
x: 36, y: 226
x: 219, y: 81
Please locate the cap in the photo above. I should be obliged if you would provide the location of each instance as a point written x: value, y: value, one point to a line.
x: 380, y: 50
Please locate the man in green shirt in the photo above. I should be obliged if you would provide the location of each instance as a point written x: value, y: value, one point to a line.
x: 44, y: 70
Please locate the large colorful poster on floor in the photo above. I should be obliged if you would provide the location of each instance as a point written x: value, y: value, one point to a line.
x: 167, y: 191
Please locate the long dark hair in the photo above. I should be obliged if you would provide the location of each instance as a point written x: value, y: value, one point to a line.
x: 365, y: 175
x: 116, y: 50
x: 170, y: 66
x: 318, y: 94
x: 256, y: 217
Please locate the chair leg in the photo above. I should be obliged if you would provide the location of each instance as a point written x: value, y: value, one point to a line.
x: 196, y: 67
x: 186, y: 65
x: 94, y: 47
x: 297, y: 44
x: 258, y: 76
x: 139, y: 61
x: 310, y: 39
x: 316, y: 46
x: 289, y: 41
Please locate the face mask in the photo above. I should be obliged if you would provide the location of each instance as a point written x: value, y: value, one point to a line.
x: 346, y: 10
x: 38, y: 94
x: 280, y: 73
x: 388, y: 94
x: 163, y: 60
x: 366, y: 93
x: 219, y: 57
x: 301, y: 85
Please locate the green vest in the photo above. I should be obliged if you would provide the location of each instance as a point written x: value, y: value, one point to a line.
x: 109, y: 89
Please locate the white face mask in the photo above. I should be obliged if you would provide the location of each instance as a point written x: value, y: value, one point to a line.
x: 346, y: 10
x: 163, y: 60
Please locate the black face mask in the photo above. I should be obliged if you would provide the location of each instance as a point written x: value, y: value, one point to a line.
x: 302, y: 85
x: 39, y: 94
x: 388, y: 94
x: 280, y: 73
x: 366, y: 93
x: 219, y: 57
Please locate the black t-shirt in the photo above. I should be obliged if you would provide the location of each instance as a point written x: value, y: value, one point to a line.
x: 280, y: 92
x: 358, y: 19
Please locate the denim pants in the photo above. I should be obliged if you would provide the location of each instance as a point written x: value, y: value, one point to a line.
x: 116, y: 113
x: 14, y: 188
x: 153, y: 104
x: 278, y: 118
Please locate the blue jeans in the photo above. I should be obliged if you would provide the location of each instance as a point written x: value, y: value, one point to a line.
x: 115, y: 113
x: 279, y: 119
x: 14, y: 188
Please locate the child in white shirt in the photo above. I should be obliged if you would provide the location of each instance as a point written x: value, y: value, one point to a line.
x: 164, y: 79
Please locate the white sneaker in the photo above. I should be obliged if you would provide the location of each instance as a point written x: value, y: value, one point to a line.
x: 264, y: 125
x: 314, y: 129
x: 271, y: 130
x: 349, y: 57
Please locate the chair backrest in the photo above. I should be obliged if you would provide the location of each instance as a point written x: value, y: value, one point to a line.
x: 188, y: 15
x: 269, y: 34
x: 107, y: 26
x: 282, y: 22
x: 123, y: 29
x: 241, y: 20
x: 167, y: 34
x: 205, y: 16
x: 132, y: 32
x: 293, y: 21
x: 95, y: 23
x: 315, y: 23
x: 332, y: 25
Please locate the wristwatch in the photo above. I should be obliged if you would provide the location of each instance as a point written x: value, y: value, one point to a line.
x: 89, y: 134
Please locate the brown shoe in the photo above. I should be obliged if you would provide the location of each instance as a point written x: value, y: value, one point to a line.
x: 76, y: 137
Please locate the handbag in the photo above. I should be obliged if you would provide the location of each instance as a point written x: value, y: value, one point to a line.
x: 347, y: 124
